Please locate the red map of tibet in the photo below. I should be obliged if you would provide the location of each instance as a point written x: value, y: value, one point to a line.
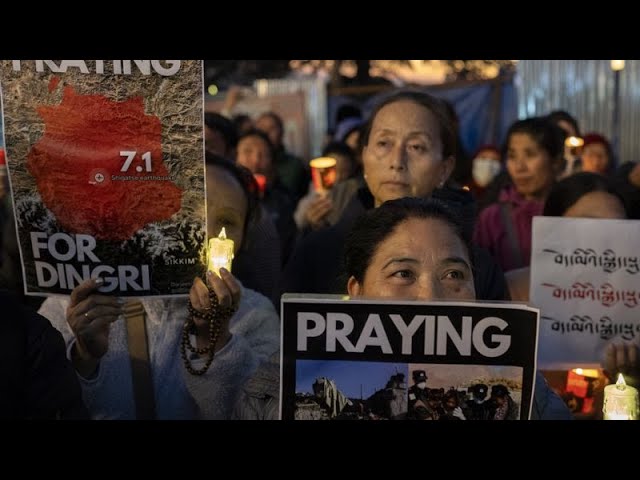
x: 79, y: 152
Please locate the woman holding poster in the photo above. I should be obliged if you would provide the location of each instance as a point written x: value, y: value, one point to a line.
x: 407, y: 249
x: 204, y: 383
x: 383, y: 259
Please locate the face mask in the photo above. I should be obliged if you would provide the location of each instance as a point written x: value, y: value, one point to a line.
x: 421, y: 385
x: 484, y: 170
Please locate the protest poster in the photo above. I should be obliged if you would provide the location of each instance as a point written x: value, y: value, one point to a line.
x: 106, y: 165
x: 382, y: 359
x: 585, y: 280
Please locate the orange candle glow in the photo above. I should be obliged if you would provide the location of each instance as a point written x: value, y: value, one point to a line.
x: 323, y: 173
x: 220, y: 252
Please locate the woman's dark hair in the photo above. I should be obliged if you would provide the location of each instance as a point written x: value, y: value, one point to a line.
x: 249, y: 187
x: 546, y: 134
x: 431, y: 103
x: 341, y: 148
x: 348, y: 110
x: 239, y: 120
x: 568, y: 191
x: 562, y: 115
x: 338, y: 147
x: 222, y: 124
x: 374, y: 226
x: 276, y: 118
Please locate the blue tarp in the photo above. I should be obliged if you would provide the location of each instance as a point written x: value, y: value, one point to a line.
x: 483, y: 119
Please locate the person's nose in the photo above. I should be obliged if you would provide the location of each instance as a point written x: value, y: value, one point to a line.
x: 399, y: 157
x: 428, y: 288
x: 254, y: 161
x: 520, y: 165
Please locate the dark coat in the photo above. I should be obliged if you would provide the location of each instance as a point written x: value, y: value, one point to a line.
x: 10, y: 268
x: 629, y: 192
x: 316, y: 264
x: 36, y: 379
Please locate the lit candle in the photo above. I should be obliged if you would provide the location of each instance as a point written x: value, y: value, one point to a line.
x: 620, y: 401
x: 261, y: 180
x: 574, y: 142
x: 323, y: 173
x: 220, y: 252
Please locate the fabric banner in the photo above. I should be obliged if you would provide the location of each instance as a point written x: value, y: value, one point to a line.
x: 585, y: 278
x: 107, y: 173
x: 485, y: 109
x: 376, y: 359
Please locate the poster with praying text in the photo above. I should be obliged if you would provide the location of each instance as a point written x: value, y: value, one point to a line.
x: 106, y: 169
x: 353, y: 359
x: 585, y: 278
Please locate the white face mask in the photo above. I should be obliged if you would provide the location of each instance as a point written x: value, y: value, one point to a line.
x: 421, y: 385
x: 484, y: 170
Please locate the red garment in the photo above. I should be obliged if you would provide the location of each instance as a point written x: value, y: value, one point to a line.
x: 491, y: 233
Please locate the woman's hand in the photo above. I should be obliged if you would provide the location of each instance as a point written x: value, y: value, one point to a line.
x: 622, y: 358
x: 227, y: 289
x: 318, y: 210
x: 90, y: 315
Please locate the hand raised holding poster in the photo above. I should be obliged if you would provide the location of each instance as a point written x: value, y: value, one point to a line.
x: 107, y: 173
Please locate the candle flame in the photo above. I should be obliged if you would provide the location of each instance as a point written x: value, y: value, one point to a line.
x: 620, y: 383
x: 586, y: 372
x: 574, y: 142
x: 323, y: 162
x: 223, y: 234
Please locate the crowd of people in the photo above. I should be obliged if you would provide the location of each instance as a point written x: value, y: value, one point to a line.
x: 216, y: 354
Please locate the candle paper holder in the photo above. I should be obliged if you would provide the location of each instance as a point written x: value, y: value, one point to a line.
x: 323, y: 173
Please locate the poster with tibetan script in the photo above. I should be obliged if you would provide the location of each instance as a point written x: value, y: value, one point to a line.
x: 585, y: 279
x: 106, y: 169
x: 350, y: 359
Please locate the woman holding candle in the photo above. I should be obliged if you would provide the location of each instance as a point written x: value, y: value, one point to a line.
x: 319, y: 207
x: 408, y: 151
x: 186, y: 385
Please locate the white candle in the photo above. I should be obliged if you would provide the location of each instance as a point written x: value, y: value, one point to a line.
x: 620, y: 401
x: 220, y: 252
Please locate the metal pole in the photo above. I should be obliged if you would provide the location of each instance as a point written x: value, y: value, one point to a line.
x: 615, y: 140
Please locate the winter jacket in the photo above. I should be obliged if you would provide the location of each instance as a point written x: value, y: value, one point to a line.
x: 492, y: 233
x: 255, y: 330
x: 316, y: 264
x: 36, y: 379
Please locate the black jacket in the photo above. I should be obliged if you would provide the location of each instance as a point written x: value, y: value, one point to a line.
x: 36, y: 379
x: 316, y: 264
x: 629, y: 192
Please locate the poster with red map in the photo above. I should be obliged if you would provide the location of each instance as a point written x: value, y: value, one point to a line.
x: 106, y: 166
